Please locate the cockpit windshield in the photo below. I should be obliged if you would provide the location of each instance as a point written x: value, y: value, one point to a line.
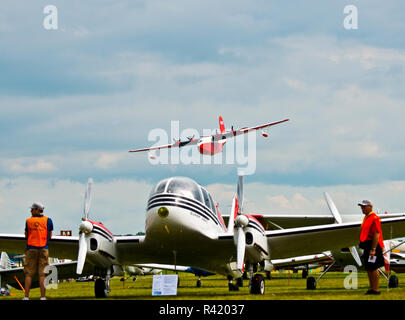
x: 160, y: 188
x: 185, y: 187
x: 205, y: 196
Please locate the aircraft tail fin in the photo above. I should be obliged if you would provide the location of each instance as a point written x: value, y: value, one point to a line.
x: 5, y: 262
x: 221, y: 125
x: 338, y: 219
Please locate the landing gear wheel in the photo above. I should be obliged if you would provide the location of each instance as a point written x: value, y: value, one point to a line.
x: 245, y: 276
x: 233, y: 287
x: 100, y: 289
x: 304, y: 274
x: 311, y: 283
x: 393, y: 282
x: 198, y: 283
x: 257, y: 284
x: 239, y: 282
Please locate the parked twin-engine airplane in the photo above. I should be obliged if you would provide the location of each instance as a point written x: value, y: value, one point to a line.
x: 185, y: 227
x: 213, y: 144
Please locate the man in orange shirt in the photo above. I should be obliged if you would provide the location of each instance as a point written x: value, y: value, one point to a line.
x: 371, y: 240
x: 38, y: 231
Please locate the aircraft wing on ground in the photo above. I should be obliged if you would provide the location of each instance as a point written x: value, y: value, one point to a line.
x: 309, y: 240
x: 321, y: 258
x: 286, y: 221
x: 63, y: 247
x: 197, y: 272
x: 65, y: 270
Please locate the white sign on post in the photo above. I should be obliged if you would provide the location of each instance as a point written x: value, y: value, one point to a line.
x: 164, y: 285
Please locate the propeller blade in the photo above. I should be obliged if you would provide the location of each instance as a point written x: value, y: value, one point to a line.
x: 239, y: 238
x: 233, y: 214
x: 87, y: 198
x: 355, y: 255
x: 333, y: 209
x: 240, y: 247
x: 240, y: 193
x: 81, y: 257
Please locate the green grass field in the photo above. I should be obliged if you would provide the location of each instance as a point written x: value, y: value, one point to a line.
x: 282, y: 286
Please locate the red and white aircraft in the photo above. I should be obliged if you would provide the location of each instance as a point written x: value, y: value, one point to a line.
x: 213, y: 144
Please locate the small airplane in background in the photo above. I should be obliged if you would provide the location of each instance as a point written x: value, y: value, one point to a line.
x: 213, y: 144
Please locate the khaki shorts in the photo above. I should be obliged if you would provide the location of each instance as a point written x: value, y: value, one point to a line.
x: 35, y: 261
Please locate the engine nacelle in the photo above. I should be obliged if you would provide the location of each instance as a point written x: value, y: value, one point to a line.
x: 233, y: 270
x: 101, y: 249
x: 268, y: 266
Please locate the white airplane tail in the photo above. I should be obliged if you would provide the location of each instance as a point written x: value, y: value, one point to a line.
x: 5, y: 262
x: 338, y: 219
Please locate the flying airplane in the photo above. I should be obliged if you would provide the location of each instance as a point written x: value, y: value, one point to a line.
x: 184, y: 227
x: 213, y: 144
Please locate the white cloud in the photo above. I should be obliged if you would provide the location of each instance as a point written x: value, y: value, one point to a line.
x: 34, y: 166
x: 262, y: 198
x: 108, y: 160
x: 119, y: 204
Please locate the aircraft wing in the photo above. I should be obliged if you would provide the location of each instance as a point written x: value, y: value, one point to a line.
x: 240, y: 131
x: 176, y: 144
x: 63, y: 247
x: 162, y: 267
x: 197, y: 272
x: 321, y: 258
x: 65, y: 270
x: 263, y: 126
x: 309, y: 240
x: 284, y: 221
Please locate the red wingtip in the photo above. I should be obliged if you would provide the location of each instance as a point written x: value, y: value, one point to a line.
x: 221, y: 125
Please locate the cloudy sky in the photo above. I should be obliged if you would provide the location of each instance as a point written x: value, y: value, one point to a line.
x: 74, y: 100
